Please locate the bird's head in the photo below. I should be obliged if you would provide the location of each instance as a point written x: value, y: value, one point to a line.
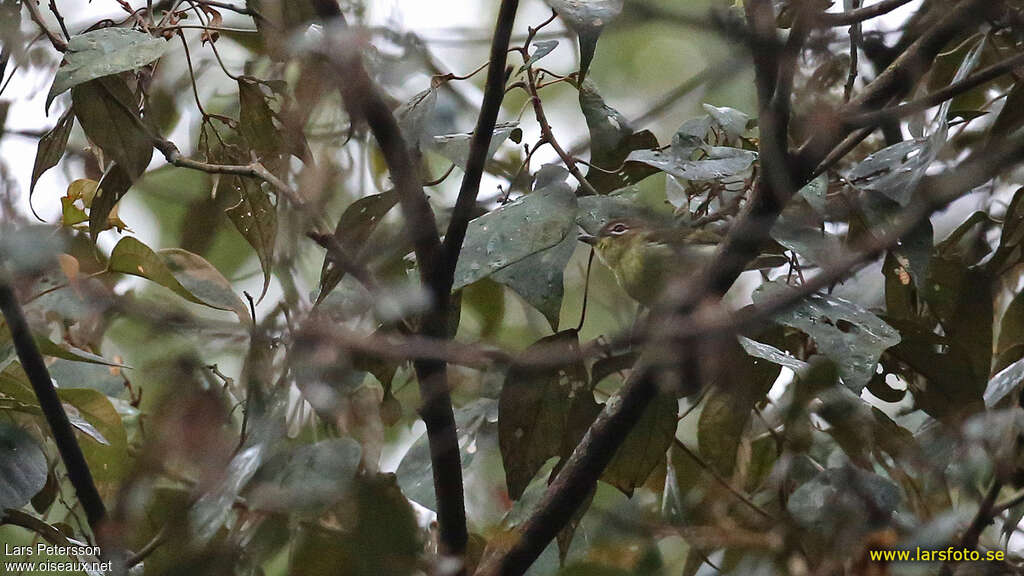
x: 616, y: 239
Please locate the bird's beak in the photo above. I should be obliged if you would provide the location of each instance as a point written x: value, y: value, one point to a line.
x: 587, y: 239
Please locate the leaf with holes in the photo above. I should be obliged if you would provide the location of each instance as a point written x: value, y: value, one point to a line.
x: 184, y: 273
x: 104, y: 52
x: 255, y: 218
x: 849, y: 335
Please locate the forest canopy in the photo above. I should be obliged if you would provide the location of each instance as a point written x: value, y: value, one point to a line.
x: 548, y: 287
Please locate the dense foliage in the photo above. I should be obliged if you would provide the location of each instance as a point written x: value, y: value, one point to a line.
x: 312, y: 303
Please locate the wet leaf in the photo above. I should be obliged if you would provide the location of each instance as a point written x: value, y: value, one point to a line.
x: 849, y: 335
x: 255, y: 119
x: 1005, y: 381
x: 515, y: 231
x: 22, y: 466
x: 414, y: 473
x: 539, y: 278
x: 720, y: 162
x: 184, y: 273
x: 742, y: 382
x: 51, y: 147
x: 104, y: 52
x: 800, y: 229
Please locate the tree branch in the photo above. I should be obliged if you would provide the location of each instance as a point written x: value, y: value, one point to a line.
x: 979, y: 78
x: 56, y: 40
x: 63, y: 434
x: 364, y: 101
x: 494, y: 93
x: 858, y: 15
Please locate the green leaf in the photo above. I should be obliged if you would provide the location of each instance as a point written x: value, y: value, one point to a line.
x: 455, y: 147
x: 307, y: 478
x: 847, y: 334
x: 255, y: 217
x: 71, y: 353
x: 108, y: 113
x: 354, y: 227
x: 51, y: 147
x: 107, y: 461
x: 255, y: 119
x: 104, y: 52
x: 539, y: 278
x: 542, y: 412
x: 515, y: 231
x: 22, y: 466
x: 959, y: 296
x: 184, y: 273
x: 612, y: 140
x: 1011, y: 334
x: 645, y: 445
x: 1010, y: 250
x: 587, y: 19
x: 541, y: 49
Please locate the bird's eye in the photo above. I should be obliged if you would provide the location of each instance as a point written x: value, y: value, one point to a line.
x: 619, y: 229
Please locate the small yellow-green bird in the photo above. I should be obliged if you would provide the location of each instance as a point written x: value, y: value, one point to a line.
x: 644, y: 258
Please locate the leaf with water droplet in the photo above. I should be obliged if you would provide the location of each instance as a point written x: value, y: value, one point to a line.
x: 104, y: 52
x: 515, y: 231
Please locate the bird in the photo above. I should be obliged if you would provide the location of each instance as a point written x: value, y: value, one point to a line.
x: 644, y: 258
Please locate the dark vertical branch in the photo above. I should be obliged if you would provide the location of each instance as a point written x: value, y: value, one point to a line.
x: 494, y: 93
x: 436, y: 261
x: 63, y: 434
